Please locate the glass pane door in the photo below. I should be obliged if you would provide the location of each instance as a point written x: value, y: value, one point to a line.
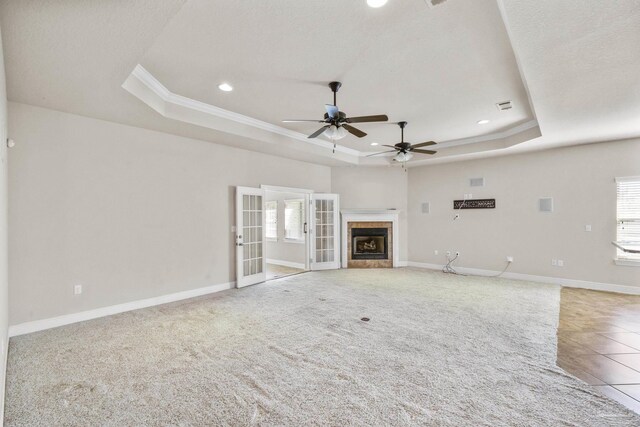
x: 324, y: 231
x: 327, y: 234
x: 250, y: 236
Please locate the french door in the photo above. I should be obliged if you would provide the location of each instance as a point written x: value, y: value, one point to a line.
x: 325, y: 229
x: 250, y: 236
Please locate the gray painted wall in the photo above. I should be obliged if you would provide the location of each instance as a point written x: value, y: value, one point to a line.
x: 4, y: 300
x: 374, y: 188
x: 131, y: 214
x: 581, y: 181
x: 126, y: 212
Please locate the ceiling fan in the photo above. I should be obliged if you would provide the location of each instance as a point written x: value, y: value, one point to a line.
x: 337, y: 124
x: 405, y: 150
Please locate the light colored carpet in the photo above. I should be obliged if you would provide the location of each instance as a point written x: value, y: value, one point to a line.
x: 439, y: 350
x: 274, y: 271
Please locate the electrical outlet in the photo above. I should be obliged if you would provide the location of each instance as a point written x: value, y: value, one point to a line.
x: 587, y: 228
x: 448, y: 253
x: 560, y: 263
x: 554, y: 262
x: 77, y: 289
x: 435, y: 252
x: 509, y: 259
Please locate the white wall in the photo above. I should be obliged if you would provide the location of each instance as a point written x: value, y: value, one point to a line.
x: 374, y: 188
x: 283, y: 250
x: 126, y: 212
x: 4, y: 301
x: 579, y: 178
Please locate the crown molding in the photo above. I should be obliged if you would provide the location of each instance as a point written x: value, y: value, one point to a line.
x: 168, y: 98
x: 491, y: 137
x: 144, y: 86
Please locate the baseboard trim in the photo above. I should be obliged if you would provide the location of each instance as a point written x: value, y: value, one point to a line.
x: 286, y: 263
x: 67, y: 319
x: 571, y: 283
x: 403, y: 264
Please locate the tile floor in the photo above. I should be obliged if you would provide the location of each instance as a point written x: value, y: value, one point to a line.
x: 599, y: 342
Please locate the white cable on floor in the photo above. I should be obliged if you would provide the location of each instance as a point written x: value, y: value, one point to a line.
x: 502, y: 272
x: 448, y: 268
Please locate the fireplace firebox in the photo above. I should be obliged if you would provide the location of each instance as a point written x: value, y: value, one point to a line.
x: 369, y: 243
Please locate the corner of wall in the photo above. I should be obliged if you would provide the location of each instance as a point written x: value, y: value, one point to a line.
x: 4, y: 263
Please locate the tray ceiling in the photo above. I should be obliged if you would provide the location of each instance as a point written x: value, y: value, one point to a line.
x: 440, y: 68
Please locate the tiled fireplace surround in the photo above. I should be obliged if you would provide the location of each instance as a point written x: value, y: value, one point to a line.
x: 370, y: 218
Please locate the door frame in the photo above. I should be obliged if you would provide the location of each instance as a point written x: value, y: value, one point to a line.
x: 307, y: 216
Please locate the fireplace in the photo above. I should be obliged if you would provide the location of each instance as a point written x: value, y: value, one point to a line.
x: 369, y: 238
x: 369, y: 243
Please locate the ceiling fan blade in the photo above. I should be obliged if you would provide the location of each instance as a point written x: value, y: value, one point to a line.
x: 303, y: 121
x: 354, y: 131
x: 318, y: 132
x: 390, y: 146
x: 332, y: 110
x: 424, y: 151
x: 423, y: 144
x: 366, y: 119
x: 382, y: 152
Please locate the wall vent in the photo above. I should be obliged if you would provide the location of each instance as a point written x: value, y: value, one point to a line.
x: 476, y: 182
x: 425, y: 208
x: 503, y: 106
x: 434, y: 3
x: 545, y: 204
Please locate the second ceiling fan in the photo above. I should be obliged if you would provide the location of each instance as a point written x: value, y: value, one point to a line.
x: 336, y: 122
x: 405, y: 150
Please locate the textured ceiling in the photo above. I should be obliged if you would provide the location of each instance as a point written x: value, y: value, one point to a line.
x: 581, y: 62
x: 441, y: 69
x: 570, y: 64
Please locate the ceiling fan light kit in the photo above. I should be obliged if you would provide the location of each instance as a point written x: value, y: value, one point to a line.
x: 403, y: 156
x: 334, y: 133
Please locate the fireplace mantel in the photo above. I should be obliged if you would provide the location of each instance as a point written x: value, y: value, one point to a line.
x: 369, y: 215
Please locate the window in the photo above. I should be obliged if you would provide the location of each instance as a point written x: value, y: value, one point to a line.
x: 628, y: 190
x: 294, y: 220
x: 271, y: 219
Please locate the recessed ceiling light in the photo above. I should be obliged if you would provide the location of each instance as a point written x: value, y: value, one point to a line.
x: 376, y: 3
x: 374, y: 143
x: 483, y: 122
x: 225, y: 87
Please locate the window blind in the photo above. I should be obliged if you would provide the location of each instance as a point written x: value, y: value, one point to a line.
x: 628, y: 216
x: 294, y: 219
